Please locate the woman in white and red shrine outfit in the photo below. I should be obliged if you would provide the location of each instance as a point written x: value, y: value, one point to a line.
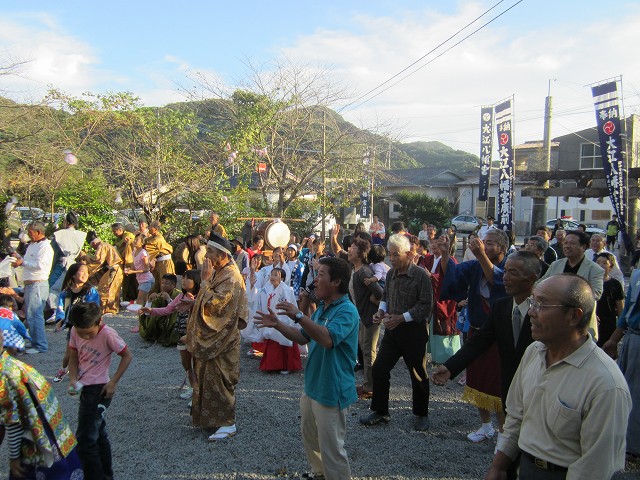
x: 280, y: 353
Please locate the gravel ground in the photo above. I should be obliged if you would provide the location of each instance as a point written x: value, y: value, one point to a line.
x: 152, y: 437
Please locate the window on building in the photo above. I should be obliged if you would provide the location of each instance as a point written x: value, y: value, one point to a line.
x: 583, y: 215
x: 397, y: 208
x: 600, y: 214
x: 590, y: 156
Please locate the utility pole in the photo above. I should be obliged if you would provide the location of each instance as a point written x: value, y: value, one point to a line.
x: 324, y: 174
x: 539, y: 211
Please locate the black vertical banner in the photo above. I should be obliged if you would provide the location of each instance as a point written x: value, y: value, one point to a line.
x: 504, y: 127
x: 605, y: 99
x: 486, y: 149
x: 365, y: 195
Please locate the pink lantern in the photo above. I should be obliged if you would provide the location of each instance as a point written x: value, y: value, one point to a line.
x: 70, y: 158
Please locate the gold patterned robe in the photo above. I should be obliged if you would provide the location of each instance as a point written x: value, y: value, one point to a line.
x: 18, y: 382
x: 156, y: 246
x: 124, y: 245
x: 105, y: 272
x: 213, y: 338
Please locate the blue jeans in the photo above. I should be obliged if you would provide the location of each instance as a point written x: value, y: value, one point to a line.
x: 35, y: 299
x: 94, y: 447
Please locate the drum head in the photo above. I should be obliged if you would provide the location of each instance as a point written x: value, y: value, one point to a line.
x: 277, y: 235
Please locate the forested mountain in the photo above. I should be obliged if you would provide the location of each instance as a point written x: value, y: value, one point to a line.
x: 216, y: 114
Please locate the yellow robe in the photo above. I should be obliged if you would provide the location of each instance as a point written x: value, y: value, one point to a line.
x: 105, y: 272
x: 156, y: 246
x: 213, y: 338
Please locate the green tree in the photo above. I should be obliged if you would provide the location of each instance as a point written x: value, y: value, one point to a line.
x: 154, y: 156
x: 281, y: 118
x: 416, y: 208
x: 89, y: 198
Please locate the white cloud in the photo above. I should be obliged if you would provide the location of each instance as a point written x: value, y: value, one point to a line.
x: 53, y: 56
x: 442, y: 100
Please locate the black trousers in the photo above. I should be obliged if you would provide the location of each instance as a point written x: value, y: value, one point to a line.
x: 409, y: 342
x: 94, y: 448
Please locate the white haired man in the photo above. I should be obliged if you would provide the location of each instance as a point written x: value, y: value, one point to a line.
x: 404, y: 310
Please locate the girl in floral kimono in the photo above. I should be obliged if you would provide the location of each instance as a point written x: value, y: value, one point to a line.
x: 41, y: 444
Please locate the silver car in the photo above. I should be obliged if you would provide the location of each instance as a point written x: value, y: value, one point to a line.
x: 467, y: 223
x: 573, y: 225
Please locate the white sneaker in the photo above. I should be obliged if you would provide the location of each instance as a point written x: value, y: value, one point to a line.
x: 51, y: 320
x: 481, y: 435
x: 223, y: 432
x: 284, y: 372
x: 187, y: 394
x: 32, y: 351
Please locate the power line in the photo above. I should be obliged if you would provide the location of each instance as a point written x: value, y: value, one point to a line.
x: 433, y: 59
x: 421, y: 58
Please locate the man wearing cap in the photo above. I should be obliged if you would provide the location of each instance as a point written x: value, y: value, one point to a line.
x: 159, y: 251
x: 36, y: 263
x: 219, y: 313
x: 485, y: 228
x: 568, y: 404
x: 67, y: 244
x: 105, y: 272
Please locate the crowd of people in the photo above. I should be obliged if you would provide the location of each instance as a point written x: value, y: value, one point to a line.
x: 534, y: 327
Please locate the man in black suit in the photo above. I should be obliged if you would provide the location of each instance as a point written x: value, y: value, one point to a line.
x: 521, y: 271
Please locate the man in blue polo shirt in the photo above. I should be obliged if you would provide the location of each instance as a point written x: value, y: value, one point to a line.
x: 329, y: 380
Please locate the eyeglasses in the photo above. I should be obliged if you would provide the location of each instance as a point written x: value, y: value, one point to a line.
x: 537, y: 306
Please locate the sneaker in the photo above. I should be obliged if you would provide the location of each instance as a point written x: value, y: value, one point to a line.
x: 187, y: 394
x: 311, y: 475
x: 481, y: 435
x: 374, y: 418
x: 32, y: 351
x: 284, y: 372
x: 223, y: 432
x: 135, y: 329
x: 59, y: 376
x: 51, y: 320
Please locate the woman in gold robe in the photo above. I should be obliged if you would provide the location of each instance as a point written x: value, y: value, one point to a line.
x: 159, y: 251
x: 105, y: 272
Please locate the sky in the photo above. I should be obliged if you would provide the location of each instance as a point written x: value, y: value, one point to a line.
x: 155, y: 49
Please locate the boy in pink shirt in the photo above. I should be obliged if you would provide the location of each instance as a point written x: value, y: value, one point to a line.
x: 91, y: 345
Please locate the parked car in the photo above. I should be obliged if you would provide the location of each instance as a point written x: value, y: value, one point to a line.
x: 467, y: 223
x: 20, y: 217
x: 573, y: 225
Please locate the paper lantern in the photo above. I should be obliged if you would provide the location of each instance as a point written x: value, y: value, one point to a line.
x: 70, y: 158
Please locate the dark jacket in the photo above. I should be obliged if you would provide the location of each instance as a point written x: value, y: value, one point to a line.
x: 498, y: 328
x: 366, y: 308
